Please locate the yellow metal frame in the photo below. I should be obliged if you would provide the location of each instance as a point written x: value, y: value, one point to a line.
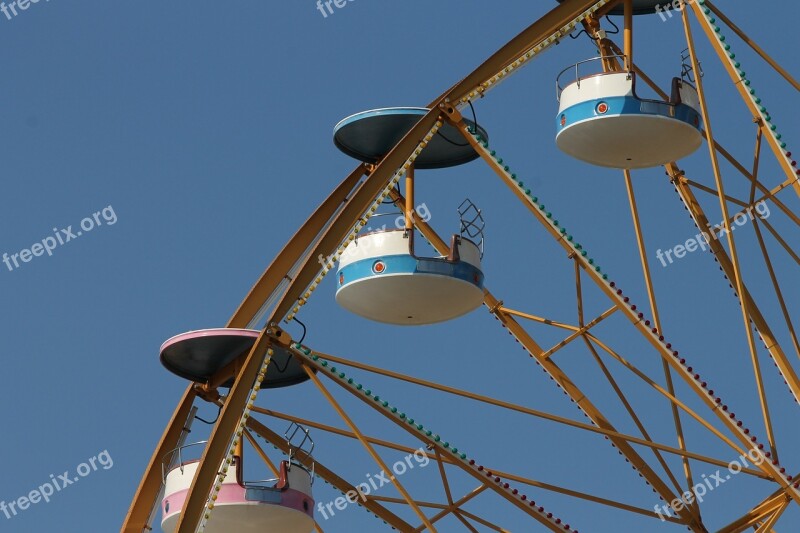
x: 291, y: 278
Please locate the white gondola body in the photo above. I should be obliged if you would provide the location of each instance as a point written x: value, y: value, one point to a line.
x: 244, y: 509
x: 380, y: 280
x: 603, y: 122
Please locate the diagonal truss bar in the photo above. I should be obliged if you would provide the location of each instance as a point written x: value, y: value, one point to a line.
x: 739, y: 83
x: 535, y: 350
x: 651, y: 296
x: 641, y: 375
x: 760, y: 51
x: 781, y: 241
x: 443, y: 474
x: 336, y: 431
x: 544, y: 32
x: 367, y: 446
x: 778, y: 292
x: 649, y: 334
x: 463, y: 520
x: 454, y: 506
x: 582, y: 496
x: 579, y: 332
x: 737, y: 271
x: 540, y: 320
x: 713, y: 192
x: 481, y: 521
x: 759, y: 513
x: 677, y: 177
x: 434, y: 442
x: 764, y: 330
x: 401, y: 501
x: 138, y: 517
x: 768, y: 524
x: 511, y: 407
x: 632, y: 413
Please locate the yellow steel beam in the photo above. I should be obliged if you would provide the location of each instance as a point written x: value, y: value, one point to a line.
x: 781, y: 240
x: 337, y: 431
x: 467, y: 525
x: 455, y: 506
x: 770, y: 522
x: 632, y: 413
x: 481, y: 521
x: 628, y: 34
x: 676, y: 418
x: 652, y: 336
x: 538, y: 319
x: 737, y: 279
x: 690, y: 201
x: 548, y: 28
x: 222, y: 435
x: 367, y: 446
x: 778, y: 292
x: 721, y: 149
x: 757, y: 514
x: 760, y: 51
x: 715, y: 193
x: 433, y: 442
x: 521, y: 409
x: 549, y: 353
x: 764, y: 330
x: 260, y: 451
x: 738, y: 82
x: 285, y: 261
x: 581, y: 495
x: 536, y: 351
x: 144, y: 501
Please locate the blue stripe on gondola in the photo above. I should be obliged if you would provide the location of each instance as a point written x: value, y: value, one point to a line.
x: 405, y: 264
x: 627, y: 106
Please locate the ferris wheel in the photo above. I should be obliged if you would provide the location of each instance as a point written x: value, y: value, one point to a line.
x: 608, y: 112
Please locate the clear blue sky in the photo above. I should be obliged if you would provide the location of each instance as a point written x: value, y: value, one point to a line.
x: 204, y: 131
